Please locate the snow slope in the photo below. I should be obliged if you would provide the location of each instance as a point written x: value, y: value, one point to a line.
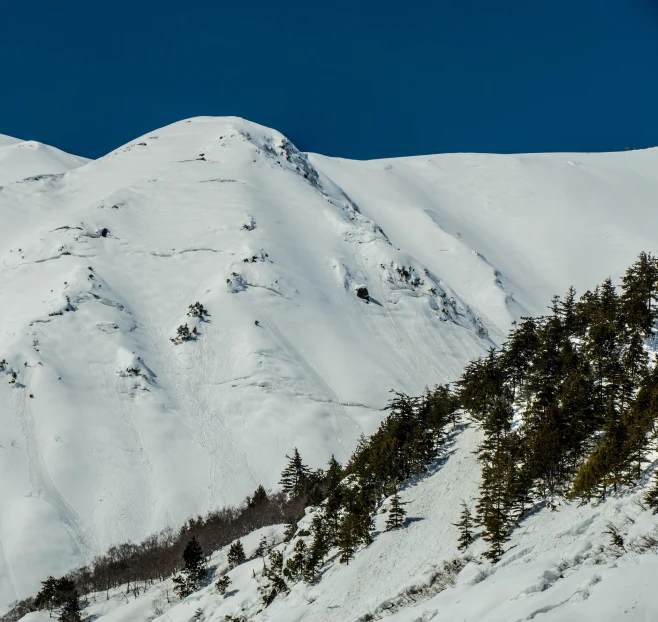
x: 111, y: 431
x: 21, y: 159
x: 559, y: 566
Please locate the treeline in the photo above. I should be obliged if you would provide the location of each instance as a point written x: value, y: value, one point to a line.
x: 136, y: 566
x: 569, y: 404
x: 409, y: 439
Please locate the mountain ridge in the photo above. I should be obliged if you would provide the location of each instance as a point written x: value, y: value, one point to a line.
x: 128, y: 432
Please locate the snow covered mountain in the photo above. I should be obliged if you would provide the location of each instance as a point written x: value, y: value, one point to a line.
x: 20, y: 159
x: 111, y: 430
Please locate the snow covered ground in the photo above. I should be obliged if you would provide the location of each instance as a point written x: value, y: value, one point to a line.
x: 559, y: 566
x: 20, y: 159
x: 110, y: 431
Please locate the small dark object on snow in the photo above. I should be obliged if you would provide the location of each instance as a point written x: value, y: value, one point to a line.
x: 256, y: 323
x: 104, y: 232
x: 362, y: 292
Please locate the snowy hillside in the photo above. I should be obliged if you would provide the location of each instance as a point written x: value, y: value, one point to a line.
x: 21, y: 159
x: 111, y: 430
x: 559, y: 567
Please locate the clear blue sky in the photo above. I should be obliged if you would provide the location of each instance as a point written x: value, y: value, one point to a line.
x: 355, y: 78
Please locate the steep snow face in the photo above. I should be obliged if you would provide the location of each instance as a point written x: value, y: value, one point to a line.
x: 111, y: 430
x: 511, y: 231
x: 21, y: 159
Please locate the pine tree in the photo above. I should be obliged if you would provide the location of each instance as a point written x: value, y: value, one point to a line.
x: 396, y: 512
x: 71, y: 611
x: 295, y: 476
x: 651, y: 496
x: 639, y: 299
x: 296, y: 565
x: 222, y: 584
x: 259, y: 496
x: 276, y: 560
x: 290, y: 531
x: 262, y: 547
x: 347, y: 538
x: 194, y: 570
x: 275, y: 586
x: 236, y: 555
x: 318, y: 550
x: 333, y: 475
x: 465, y: 526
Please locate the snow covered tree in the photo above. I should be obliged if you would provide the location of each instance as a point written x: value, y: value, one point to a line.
x: 396, y: 512
x: 295, y: 476
x: 222, y: 584
x: 197, y: 310
x: 236, y: 555
x: 183, y: 334
x: 465, y: 526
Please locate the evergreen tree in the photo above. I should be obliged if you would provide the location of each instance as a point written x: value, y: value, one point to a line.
x: 259, y: 496
x: 296, y: 565
x: 318, y: 550
x: 262, y: 547
x: 639, y: 299
x: 194, y: 570
x: 276, y: 584
x: 290, y: 531
x: 295, y: 476
x: 347, y: 539
x: 333, y: 475
x: 236, y: 555
x: 465, y: 526
x: 651, y: 496
x: 71, y: 611
x: 396, y: 513
x: 222, y: 584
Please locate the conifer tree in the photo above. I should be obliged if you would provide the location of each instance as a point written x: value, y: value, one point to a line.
x: 259, y: 496
x: 296, y: 565
x: 347, y: 539
x: 465, y: 526
x: 276, y: 584
x: 396, y: 512
x: 222, y: 584
x: 295, y: 476
x: 71, y: 611
x: 639, y: 299
x: 236, y: 555
x: 651, y: 496
x: 276, y: 560
x: 290, y: 531
x: 318, y: 549
x: 194, y: 570
x: 262, y: 547
x: 333, y: 475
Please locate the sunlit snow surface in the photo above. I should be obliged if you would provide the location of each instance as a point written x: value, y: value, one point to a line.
x: 127, y: 432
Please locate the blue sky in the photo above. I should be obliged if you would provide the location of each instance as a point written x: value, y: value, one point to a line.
x: 355, y: 78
